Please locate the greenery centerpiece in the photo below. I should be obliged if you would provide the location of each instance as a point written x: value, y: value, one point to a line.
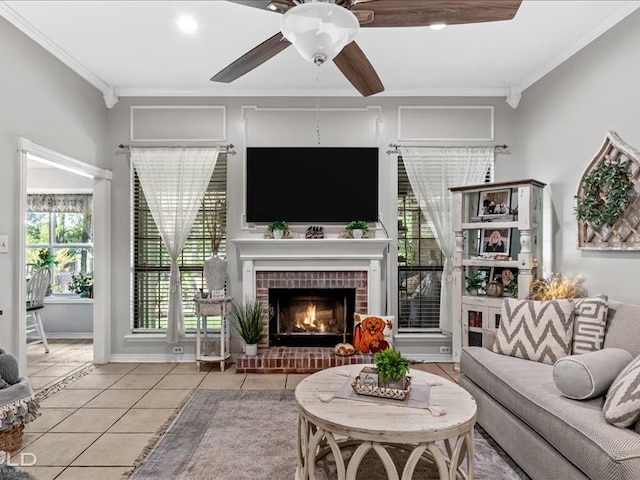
x: 250, y: 321
x: 392, y: 368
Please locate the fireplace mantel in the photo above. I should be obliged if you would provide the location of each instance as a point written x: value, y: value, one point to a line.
x: 302, y: 248
x: 327, y: 254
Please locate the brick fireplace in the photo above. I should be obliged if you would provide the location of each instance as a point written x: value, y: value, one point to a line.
x: 311, y: 267
x: 322, y: 290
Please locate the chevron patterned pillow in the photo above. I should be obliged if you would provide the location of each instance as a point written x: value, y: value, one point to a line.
x: 533, y: 330
x: 589, y: 324
x: 622, y: 406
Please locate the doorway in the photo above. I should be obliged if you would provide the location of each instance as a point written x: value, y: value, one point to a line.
x: 100, y: 185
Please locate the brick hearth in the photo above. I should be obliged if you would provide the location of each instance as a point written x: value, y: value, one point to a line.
x: 296, y: 360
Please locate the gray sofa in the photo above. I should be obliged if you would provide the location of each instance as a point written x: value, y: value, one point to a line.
x: 549, y: 436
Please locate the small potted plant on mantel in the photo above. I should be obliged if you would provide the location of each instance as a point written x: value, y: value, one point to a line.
x: 278, y: 228
x: 357, y: 228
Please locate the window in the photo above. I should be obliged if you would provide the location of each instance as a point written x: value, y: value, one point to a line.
x: 60, y: 234
x: 151, y: 260
x: 419, y: 263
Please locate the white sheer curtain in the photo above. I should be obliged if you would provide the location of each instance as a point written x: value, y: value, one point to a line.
x: 174, y: 181
x: 432, y: 171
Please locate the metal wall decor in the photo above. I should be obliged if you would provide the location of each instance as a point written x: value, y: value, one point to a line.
x: 608, y: 199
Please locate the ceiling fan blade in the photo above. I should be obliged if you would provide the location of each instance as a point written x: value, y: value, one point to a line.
x: 280, y: 6
x: 354, y: 65
x: 252, y: 59
x: 418, y: 13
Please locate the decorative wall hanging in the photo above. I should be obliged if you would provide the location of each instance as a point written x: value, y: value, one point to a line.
x: 608, y: 200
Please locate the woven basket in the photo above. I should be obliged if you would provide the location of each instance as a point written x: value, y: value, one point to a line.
x: 382, y: 392
x: 11, y: 439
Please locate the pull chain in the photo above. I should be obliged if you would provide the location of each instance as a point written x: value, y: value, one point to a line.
x: 318, y: 106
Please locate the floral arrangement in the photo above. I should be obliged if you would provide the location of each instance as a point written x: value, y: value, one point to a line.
x: 82, y: 283
x: 555, y: 286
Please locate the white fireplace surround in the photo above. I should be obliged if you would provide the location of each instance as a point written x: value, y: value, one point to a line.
x: 329, y: 254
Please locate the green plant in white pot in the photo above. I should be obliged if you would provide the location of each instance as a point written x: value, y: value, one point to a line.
x: 250, y: 321
x: 357, y: 228
x: 392, y: 368
x: 278, y: 228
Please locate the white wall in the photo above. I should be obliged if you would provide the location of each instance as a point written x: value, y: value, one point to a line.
x: 119, y: 133
x: 554, y: 133
x: 43, y: 100
x: 562, y: 121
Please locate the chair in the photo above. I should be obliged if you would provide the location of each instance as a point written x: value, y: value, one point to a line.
x: 36, y: 291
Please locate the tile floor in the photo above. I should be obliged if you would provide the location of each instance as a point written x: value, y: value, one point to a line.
x: 97, y: 426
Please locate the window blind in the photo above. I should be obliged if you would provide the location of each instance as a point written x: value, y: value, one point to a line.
x: 151, y: 259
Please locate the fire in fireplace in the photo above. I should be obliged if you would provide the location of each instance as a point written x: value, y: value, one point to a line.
x: 318, y: 317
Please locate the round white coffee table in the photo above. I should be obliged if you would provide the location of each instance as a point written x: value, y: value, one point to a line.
x: 326, y: 426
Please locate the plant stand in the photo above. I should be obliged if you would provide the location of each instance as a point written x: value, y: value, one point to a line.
x: 207, y: 307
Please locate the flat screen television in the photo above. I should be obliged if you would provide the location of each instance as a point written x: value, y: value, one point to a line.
x: 311, y: 184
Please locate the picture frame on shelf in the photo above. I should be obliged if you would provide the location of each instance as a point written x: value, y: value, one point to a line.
x: 495, y: 241
x: 507, y: 276
x: 494, y: 202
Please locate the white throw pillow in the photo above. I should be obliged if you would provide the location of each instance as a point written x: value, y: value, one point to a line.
x: 372, y: 333
x: 622, y: 406
x: 589, y: 324
x: 533, y: 330
x: 589, y: 375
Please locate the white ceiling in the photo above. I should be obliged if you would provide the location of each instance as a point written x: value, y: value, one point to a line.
x: 133, y: 48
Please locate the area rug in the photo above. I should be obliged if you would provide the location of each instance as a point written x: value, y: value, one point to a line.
x: 251, y: 435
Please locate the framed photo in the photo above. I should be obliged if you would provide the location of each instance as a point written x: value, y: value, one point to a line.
x: 495, y: 241
x: 508, y: 277
x: 494, y: 202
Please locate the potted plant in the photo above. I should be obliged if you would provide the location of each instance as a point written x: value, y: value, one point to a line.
x: 357, y: 228
x: 250, y: 320
x: 392, y: 369
x: 475, y: 283
x: 46, y: 259
x: 82, y: 283
x: 278, y: 228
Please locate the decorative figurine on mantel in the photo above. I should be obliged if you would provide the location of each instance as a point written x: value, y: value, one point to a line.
x: 215, y: 268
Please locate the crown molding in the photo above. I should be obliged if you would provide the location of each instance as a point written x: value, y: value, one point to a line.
x: 326, y: 92
x: 614, y: 19
x: 37, y: 36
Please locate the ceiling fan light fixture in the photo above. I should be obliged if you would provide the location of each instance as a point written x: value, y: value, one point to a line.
x: 319, y: 30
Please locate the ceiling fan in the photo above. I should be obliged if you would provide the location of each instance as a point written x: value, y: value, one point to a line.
x: 307, y: 23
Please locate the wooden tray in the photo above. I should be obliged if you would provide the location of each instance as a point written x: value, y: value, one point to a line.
x: 382, y: 392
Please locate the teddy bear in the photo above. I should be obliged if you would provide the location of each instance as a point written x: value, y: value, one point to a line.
x: 9, y: 372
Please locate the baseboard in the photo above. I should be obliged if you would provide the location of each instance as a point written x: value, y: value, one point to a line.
x: 74, y: 335
x: 153, y: 358
x: 430, y: 358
